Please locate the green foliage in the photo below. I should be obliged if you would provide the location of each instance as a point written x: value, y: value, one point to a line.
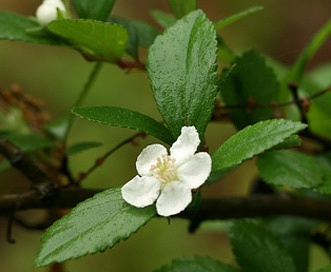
x: 163, y: 19
x: 182, y: 7
x: 96, y: 40
x: 183, y: 73
x: 294, y: 233
x: 236, y: 17
x: 252, y: 141
x: 93, y: 226
x: 258, y: 250
x: 125, y: 118
x: 196, y: 264
x: 27, y: 142
x: 140, y: 34
x: 15, y: 27
x: 324, y: 269
x: 250, y: 82
x: 277, y: 168
x: 91, y: 9
x: 310, y: 50
x: 80, y: 147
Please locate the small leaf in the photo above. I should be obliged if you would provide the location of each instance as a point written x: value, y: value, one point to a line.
x: 310, y: 50
x: 28, y: 142
x: 290, y: 168
x: 58, y: 128
x: 140, y: 34
x: 196, y: 264
x: 251, y: 82
x: 95, y: 39
x: 182, y: 69
x: 252, y: 141
x: 182, y: 7
x: 15, y: 27
x: 258, y: 250
x: 80, y: 147
x: 163, y: 19
x: 119, y: 117
x: 91, y: 9
x: 234, y: 18
x: 93, y: 226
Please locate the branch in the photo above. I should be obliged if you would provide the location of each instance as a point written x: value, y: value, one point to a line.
x: 210, y: 209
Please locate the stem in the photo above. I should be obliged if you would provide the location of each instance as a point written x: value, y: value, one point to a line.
x: 87, y: 87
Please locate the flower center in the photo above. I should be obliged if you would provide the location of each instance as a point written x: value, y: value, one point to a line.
x: 165, y: 169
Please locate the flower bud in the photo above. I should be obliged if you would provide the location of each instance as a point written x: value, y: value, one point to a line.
x: 47, y: 11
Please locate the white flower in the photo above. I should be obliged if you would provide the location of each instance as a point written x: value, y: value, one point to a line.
x: 47, y: 11
x: 168, y: 179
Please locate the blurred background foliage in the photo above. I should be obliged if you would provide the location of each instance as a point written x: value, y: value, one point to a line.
x: 56, y: 75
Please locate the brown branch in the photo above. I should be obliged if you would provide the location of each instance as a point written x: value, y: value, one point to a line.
x: 40, y: 182
x: 210, y: 209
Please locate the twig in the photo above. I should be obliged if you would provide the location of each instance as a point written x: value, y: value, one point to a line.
x: 98, y: 162
x: 40, y: 182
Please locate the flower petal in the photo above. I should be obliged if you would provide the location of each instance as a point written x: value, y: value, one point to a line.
x: 186, y: 144
x: 195, y: 171
x: 148, y: 157
x: 141, y: 191
x: 174, y: 198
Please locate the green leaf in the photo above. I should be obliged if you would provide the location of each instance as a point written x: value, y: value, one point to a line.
x: 182, y: 7
x: 251, y: 82
x: 119, y: 117
x: 234, y: 18
x: 292, y: 141
x: 252, y: 141
x: 258, y: 250
x: 196, y: 264
x: 310, y: 50
x: 97, y: 40
x: 93, y: 226
x: 289, y: 168
x: 80, y: 147
x: 163, y: 19
x: 91, y: 9
x: 15, y: 27
x: 182, y: 68
x: 140, y: 34
x: 58, y: 127
x: 295, y: 234
x: 28, y: 142
x: 324, y: 162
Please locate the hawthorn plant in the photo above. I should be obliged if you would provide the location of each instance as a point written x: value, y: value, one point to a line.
x: 195, y: 80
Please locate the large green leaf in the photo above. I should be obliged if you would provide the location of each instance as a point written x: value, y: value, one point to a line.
x: 182, y: 68
x: 250, y: 82
x: 324, y: 162
x: 258, y: 250
x: 91, y: 9
x: 252, y: 141
x: 93, y: 226
x: 290, y: 168
x: 295, y: 234
x: 182, y: 7
x: 119, y: 117
x: 15, y: 27
x: 95, y: 39
x: 196, y: 264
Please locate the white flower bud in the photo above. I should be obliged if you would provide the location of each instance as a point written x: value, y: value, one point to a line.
x: 47, y: 11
